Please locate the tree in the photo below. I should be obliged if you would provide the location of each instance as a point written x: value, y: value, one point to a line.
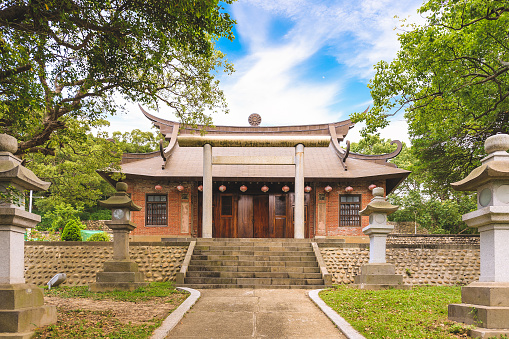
x: 63, y: 60
x: 418, y: 201
x: 72, y: 231
x: 137, y: 141
x: 451, y: 78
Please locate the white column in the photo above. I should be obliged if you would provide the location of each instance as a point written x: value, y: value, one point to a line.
x: 207, y: 192
x: 299, y: 192
x: 377, y: 245
x: 12, y: 265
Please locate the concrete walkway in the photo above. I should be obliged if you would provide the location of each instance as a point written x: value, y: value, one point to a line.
x: 255, y: 313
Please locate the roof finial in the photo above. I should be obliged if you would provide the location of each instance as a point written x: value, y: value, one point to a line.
x: 255, y: 119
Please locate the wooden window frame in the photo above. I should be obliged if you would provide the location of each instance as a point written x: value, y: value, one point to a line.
x: 349, y: 220
x: 164, y: 219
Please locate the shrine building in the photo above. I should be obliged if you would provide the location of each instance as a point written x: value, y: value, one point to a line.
x: 254, y: 182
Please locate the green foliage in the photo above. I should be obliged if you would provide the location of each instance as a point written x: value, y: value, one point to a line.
x: 71, y: 231
x: 12, y: 195
x: 95, y: 213
x: 75, y: 60
x: 56, y: 219
x: 138, y: 141
x: 451, y: 76
x: 417, y: 313
x: 99, y: 237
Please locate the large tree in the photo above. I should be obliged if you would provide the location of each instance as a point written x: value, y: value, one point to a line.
x: 75, y: 59
x: 451, y: 78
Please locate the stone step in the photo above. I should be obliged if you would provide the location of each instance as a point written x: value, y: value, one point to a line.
x: 252, y: 281
x: 207, y: 286
x: 290, y: 248
x: 223, y: 274
x: 252, y: 252
x: 270, y: 258
x: 253, y: 244
x: 216, y: 263
x: 284, y: 269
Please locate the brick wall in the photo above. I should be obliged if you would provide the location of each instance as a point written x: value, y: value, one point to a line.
x: 332, y: 202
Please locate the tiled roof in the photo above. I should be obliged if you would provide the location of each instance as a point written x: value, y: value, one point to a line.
x: 319, y: 163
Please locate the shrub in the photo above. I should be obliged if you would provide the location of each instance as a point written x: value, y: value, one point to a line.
x: 103, y: 236
x: 72, y: 231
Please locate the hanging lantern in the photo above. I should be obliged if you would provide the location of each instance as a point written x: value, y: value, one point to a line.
x: 158, y: 187
x: 243, y: 188
x: 285, y: 188
x: 200, y: 188
x: 307, y: 189
x: 328, y: 189
x: 180, y: 188
x: 265, y: 188
x: 349, y: 189
x: 222, y: 188
x: 371, y: 187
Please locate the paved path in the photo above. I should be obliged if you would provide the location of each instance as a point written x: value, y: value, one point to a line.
x: 255, y: 313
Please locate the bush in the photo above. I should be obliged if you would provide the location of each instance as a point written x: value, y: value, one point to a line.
x: 72, y: 231
x: 103, y: 236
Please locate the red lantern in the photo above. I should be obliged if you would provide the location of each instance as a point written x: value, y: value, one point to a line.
x: 285, y: 188
x: 200, y: 188
x: 328, y: 189
x: 158, y: 187
x: 349, y: 189
x: 243, y: 188
x: 307, y: 189
x: 265, y: 188
x: 180, y: 188
x: 222, y: 188
x: 371, y: 187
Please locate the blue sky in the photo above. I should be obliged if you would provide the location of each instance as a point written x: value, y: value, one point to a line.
x: 303, y: 62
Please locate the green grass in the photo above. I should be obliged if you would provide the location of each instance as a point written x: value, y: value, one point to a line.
x: 417, y: 313
x: 77, y: 323
x: 152, y: 290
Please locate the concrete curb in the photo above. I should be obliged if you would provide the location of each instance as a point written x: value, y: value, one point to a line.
x: 341, y: 323
x: 173, y: 319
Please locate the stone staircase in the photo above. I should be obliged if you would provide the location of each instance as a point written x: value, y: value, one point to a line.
x: 253, y: 263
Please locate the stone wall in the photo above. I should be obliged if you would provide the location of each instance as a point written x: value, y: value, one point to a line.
x: 419, y: 264
x: 81, y: 260
x: 437, y: 239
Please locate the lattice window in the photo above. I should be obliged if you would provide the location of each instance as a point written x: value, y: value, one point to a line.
x: 350, y: 206
x: 157, y: 210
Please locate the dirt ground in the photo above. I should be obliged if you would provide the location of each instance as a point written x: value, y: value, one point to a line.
x: 125, y: 312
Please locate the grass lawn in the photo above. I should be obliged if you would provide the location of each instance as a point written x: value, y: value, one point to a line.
x: 119, y: 314
x: 417, y: 313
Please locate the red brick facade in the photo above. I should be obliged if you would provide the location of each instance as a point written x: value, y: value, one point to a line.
x: 179, y: 225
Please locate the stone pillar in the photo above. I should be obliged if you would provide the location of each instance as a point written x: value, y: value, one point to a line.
x: 299, y: 192
x: 207, y: 192
x: 22, y: 306
x: 378, y: 274
x: 119, y: 273
x: 485, y: 303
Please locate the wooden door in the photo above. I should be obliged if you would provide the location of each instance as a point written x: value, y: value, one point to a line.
x: 261, y: 216
x: 245, y: 217
x: 225, y: 216
x: 278, y: 212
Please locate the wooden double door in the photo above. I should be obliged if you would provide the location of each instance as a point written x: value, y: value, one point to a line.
x: 255, y: 216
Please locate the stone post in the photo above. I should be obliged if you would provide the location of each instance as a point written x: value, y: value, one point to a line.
x: 485, y: 303
x: 298, y: 229
x: 207, y: 192
x: 119, y: 273
x: 378, y: 274
x: 22, y: 306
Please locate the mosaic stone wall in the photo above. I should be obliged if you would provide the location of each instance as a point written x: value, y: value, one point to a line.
x: 419, y: 265
x: 81, y: 260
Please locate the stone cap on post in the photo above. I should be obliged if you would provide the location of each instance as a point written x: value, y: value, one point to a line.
x: 494, y: 167
x: 120, y: 199
x: 12, y: 170
x: 378, y: 204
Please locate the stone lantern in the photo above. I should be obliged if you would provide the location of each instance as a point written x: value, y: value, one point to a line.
x: 22, y: 306
x: 485, y: 303
x: 119, y: 273
x: 378, y: 274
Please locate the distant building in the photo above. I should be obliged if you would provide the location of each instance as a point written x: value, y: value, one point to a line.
x: 254, y: 188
